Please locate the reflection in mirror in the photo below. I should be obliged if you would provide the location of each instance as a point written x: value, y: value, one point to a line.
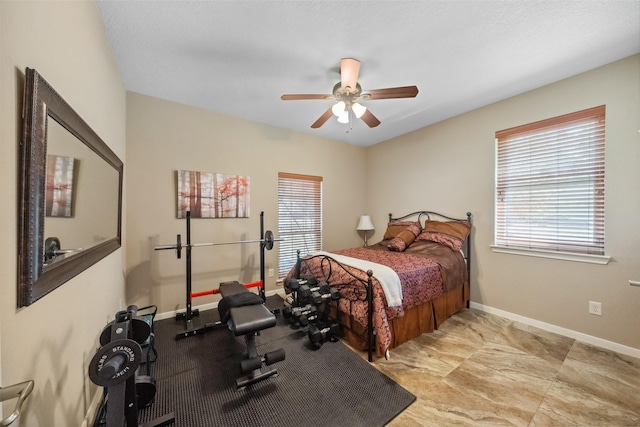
x: 70, y: 205
x: 93, y: 202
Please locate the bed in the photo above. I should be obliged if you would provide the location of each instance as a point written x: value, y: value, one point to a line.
x: 407, y: 284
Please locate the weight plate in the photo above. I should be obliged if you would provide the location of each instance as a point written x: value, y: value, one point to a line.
x: 140, y: 331
x: 145, y: 390
x: 105, y: 335
x: 268, y: 240
x: 115, y: 362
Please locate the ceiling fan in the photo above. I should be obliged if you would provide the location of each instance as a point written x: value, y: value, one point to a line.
x: 348, y: 92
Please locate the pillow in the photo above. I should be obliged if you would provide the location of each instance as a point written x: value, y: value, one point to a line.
x: 449, y: 233
x: 401, y: 241
x: 396, y: 227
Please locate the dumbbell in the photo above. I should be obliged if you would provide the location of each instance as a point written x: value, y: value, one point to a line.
x: 249, y: 365
x: 306, y: 290
x: 304, y: 320
x: 304, y: 317
x: 313, y: 294
x: 292, y: 284
x: 295, y: 311
x: 317, y: 336
x: 321, y: 293
x: 324, y: 293
x: 315, y: 297
x: 290, y: 300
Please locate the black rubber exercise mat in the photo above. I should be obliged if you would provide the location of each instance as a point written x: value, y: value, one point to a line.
x: 330, y: 386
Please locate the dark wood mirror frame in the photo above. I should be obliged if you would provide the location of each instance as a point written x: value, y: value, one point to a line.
x: 35, y: 280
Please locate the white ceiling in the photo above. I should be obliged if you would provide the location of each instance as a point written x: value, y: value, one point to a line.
x: 238, y: 57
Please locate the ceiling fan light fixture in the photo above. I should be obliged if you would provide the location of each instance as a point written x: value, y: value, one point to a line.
x: 347, y: 91
x: 343, y: 117
x: 339, y: 108
x: 358, y: 109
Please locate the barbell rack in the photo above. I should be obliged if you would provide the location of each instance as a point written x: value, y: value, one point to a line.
x: 266, y: 243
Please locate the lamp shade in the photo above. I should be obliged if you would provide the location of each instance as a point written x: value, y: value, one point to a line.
x: 365, y: 223
x: 358, y: 109
x: 339, y: 108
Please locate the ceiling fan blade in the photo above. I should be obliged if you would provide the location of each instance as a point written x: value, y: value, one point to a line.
x: 303, y: 96
x: 371, y: 120
x: 391, y: 92
x: 349, y: 69
x: 322, y: 119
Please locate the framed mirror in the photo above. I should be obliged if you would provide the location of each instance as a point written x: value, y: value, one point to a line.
x: 70, y: 207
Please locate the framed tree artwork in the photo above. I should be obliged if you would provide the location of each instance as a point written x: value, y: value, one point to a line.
x: 212, y: 195
x: 59, y: 186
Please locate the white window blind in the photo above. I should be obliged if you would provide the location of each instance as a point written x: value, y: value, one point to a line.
x: 299, y: 218
x: 550, y: 184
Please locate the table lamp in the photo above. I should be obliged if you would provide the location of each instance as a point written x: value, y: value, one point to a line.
x: 365, y: 225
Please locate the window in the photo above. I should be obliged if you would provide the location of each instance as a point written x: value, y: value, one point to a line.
x: 550, y: 184
x: 299, y: 218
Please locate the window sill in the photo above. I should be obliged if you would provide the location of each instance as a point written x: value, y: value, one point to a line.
x: 564, y: 256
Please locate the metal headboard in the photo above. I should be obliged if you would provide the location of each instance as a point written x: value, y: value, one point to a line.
x: 428, y: 214
x: 422, y: 215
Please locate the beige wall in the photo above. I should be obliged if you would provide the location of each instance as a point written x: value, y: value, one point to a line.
x: 446, y: 167
x: 53, y: 340
x: 163, y: 137
x: 449, y: 167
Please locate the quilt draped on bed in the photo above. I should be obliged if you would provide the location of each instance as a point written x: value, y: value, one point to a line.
x: 426, y: 270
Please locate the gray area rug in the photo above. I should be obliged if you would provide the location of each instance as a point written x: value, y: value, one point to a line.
x: 331, y: 386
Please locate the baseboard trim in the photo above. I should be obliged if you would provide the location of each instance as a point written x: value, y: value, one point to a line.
x: 209, y: 306
x: 589, y: 339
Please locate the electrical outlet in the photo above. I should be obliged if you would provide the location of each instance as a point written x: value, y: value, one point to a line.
x: 595, y: 308
x: 271, y: 272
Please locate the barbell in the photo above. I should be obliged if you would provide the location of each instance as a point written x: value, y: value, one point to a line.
x: 267, y: 242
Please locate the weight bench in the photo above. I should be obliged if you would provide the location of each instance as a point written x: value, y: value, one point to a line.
x: 245, y: 314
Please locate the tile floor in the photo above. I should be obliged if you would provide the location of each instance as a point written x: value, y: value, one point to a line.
x: 481, y: 369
